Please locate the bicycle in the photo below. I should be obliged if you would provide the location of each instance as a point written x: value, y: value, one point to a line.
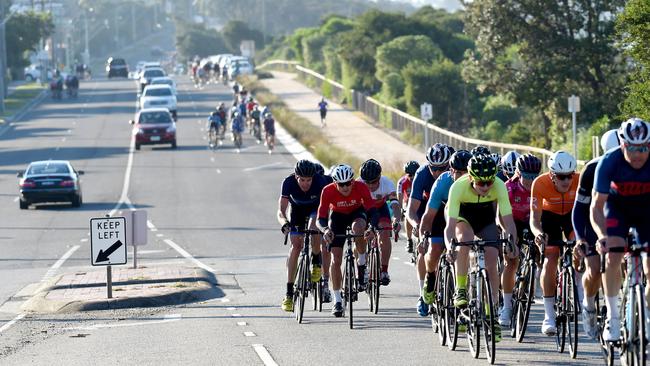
x: 237, y: 139
x: 523, y: 294
x: 566, y: 301
x: 350, y: 281
x: 632, y: 345
x: 303, y: 284
x: 479, y: 312
x: 374, y: 272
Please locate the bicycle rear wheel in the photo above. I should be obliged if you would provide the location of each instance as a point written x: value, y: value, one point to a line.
x: 474, y: 319
x: 525, y: 297
x: 350, y: 288
x: 571, y: 310
x: 374, y: 284
x: 450, y: 311
x: 437, y: 310
x: 487, y: 317
x: 560, y: 313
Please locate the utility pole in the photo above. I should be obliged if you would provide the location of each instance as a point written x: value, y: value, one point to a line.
x: 86, y: 55
x: 132, y: 22
x: 3, y: 58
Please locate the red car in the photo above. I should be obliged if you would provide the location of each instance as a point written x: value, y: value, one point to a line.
x: 154, y: 126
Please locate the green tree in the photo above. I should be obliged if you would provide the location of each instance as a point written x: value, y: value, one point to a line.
x: 542, y: 52
x: 236, y: 31
x: 634, y: 28
x: 194, y: 39
x: 23, y: 32
x: 394, y: 55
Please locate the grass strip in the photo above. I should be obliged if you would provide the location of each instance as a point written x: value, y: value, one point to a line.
x: 22, y: 96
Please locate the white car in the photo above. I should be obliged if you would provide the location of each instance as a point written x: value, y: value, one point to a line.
x: 148, y: 74
x: 165, y: 81
x: 33, y: 72
x: 159, y: 96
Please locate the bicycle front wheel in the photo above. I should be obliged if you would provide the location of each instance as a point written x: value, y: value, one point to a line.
x: 450, y: 312
x: 525, y: 297
x: 571, y: 310
x: 373, y: 285
x: 487, y: 317
x: 350, y: 288
x: 560, y: 314
x: 303, y: 273
x: 437, y: 310
x: 634, y: 331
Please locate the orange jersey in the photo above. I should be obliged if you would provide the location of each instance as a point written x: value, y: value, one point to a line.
x: 543, y: 190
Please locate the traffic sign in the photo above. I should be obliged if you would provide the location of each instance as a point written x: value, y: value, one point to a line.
x: 108, y: 241
x: 426, y: 111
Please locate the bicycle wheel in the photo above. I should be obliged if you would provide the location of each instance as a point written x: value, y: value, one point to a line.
x: 374, y: 279
x: 450, y: 312
x: 487, y: 317
x: 212, y: 137
x: 474, y: 323
x: 303, y: 286
x: 571, y: 310
x: 315, y: 291
x: 436, y: 311
x: 634, y: 330
x: 560, y: 313
x: 350, y: 287
x: 525, y: 297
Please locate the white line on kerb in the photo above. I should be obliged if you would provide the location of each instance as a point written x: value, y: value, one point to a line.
x: 188, y: 255
x: 12, y: 322
x: 167, y: 319
x: 264, y: 355
x: 262, y: 167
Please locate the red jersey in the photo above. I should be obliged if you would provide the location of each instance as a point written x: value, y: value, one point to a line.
x: 404, y: 187
x: 520, y: 199
x: 250, y: 106
x: 332, y: 199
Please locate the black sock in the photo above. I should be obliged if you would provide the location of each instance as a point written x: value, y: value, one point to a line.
x: 289, y: 289
x: 431, y: 279
x: 316, y: 259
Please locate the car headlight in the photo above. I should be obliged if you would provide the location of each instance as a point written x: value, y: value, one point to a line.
x: 171, y: 129
x: 140, y: 131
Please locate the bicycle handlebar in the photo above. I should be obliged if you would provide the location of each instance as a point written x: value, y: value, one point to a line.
x: 479, y: 243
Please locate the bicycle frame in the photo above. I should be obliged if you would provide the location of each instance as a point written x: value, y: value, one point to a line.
x: 350, y: 282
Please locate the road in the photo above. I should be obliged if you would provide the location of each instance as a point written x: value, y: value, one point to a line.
x: 219, y: 207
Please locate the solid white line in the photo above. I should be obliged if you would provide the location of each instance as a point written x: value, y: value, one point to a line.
x: 168, y: 318
x: 52, y: 271
x: 249, y: 334
x: 84, y: 240
x: 188, y: 255
x: 12, y: 322
x: 127, y: 180
x: 264, y: 355
x: 225, y: 300
x: 241, y: 324
x: 16, y: 199
x: 262, y: 166
x: 236, y: 315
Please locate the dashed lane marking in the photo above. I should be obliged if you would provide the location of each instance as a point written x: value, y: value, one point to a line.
x: 264, y: 355
x: 187, y: 255
x: 249, y: 334
x: 242, y: 324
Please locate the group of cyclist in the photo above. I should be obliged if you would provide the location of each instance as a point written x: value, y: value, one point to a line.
x: 459, y: 196
x: 244, y: 111
x: 204, y: 72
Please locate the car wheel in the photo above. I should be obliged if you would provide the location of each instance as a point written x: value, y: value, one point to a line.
x: 174, y: 144
x: 23, y: 204
x: 76, y: 201
x: 29, y: 78
x: 137, y: 146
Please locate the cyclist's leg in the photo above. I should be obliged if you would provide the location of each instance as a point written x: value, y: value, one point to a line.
x: 316, y: 258
x: 385, y: 244
x: 464, y: 232
x: 338, y: 224
x: 292, y: 260
x: 359, y: 227
x: 432, y: 257
x: 490, y: 232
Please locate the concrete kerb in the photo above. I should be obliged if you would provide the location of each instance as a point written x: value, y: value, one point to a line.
x: 21, y: 113
x: 200, y: 287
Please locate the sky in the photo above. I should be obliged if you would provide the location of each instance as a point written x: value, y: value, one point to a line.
x: 450, y: 5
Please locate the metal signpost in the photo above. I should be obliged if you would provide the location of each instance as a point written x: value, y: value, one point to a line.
x: 426, y: 113
x: 574, y: 107
x: 108, y: 245
x: 136, y: 230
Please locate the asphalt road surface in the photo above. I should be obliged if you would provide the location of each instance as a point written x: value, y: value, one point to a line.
x: 219, y: 207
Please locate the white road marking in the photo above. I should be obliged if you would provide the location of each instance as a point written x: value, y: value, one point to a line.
x: 12, y: 322
x: 264, y: 355
x: 63, y: 139
x: 16, y: 199
x: 188, y: 255
x: 249, y: 334
x: 84, y: 240
x: 150, y: 225
x: 168, y: 318
x: 236, y: 315
x: 242, y: 324
x: 396, y: 258
x: 127, y: 181
x: 160, y: 235
x: 263, y: 166
x: 409, y: 264
x: 212, y: 159
x: 225, y: 300
x: 231, y: 309
x: 148, y: 251
x: 218, y: 171
x: 52, y: 271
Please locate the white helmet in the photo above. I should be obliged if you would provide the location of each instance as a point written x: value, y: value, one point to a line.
x: 342, y: 173
x: 634, y: 131
x: 439, y: 155
x: 509, y: 162
x: 609, y: 140
x: 562, y: 162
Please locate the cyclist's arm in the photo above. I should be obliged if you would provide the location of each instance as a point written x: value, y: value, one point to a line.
x: 283, y: 204
x: 580, y: 211
x: 395, y: 206
x: 597, y: 214
x: 413, y: 207
x: 536, y: 210
x: 427, y: 219
x: 510, y: 227
x: 323, y: 211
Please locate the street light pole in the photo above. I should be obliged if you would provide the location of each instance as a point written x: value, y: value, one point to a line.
x: 574, y: 107
x: 3, y: 54
x: 86, y: 55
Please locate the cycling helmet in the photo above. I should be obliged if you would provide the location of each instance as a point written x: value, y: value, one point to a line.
x: 497, y: 159
x: 562, y: 162
x: 509, y: 162
x: 342, y: 173
x: 460, y: 159
x: 319, y: 169
x: 411, y: 167
x: 305, y: 168
x: 438, y: 155
x: 370, y: 170
x: 480, y: 150
x: 482, y: 167
x: 529, y: 163
x: 609, y: 140
x: 634, y: 131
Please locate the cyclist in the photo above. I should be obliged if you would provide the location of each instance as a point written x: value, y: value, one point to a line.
x: 586, y: 237
x: 237, y: 125
x: 403, y: 192
x: 436, y: 207
x: 509, y: 164
x: 256, y: 116
x: 215, y: 121
x: 619, y: 202
x: 497, y: 160
x: 475, y: 203
x: 528, y: 167
x: 553, y: 194
x: 322, y: 107
x: 269, y: 131
x: 344, y: 203
x: 383, y: 192
x: 224, y: 74
x: 300, y: 191
x: 236, y: 88
x: 438, y: 157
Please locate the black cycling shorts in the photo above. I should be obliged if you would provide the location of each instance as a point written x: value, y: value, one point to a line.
x: 555, y: 225
x: 478, y: 215
x: 299, y: 216
x: 339, y: 222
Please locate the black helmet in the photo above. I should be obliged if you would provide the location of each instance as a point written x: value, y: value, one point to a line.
x: 480, y: 150
x: 370, y: 170
x: 482, y: 167
x: 460, y: 159
x: 529, y: 163
x: 305, y: 168
x: 411, y: 167
x: 319, y: 169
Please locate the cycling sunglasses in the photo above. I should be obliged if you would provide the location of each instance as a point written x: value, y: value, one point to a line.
x: 529, y: 176
x: 563, y: 176
x: 484, y: 183
x: 373, y: 181
x: 438, y: 168
x: 344, y: 184
x: 637, y: 148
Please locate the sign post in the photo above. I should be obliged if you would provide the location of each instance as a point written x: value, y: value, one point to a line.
x: 136, y: 231
x: 426, y: 113
x: 108, y: 245
x: 574, y: 107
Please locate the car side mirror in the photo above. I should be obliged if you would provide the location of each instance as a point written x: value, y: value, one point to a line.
x: 132, y: 122
x: 19, y: 175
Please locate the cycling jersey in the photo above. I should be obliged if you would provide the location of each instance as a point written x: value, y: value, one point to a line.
x: 380, y: 195
x: 269, y: 126
x: 580, y: 215
x: 519, y: 200
x: 440, y: 191
x: 421, y: 187
x: 404, y: 187
x: 546, y: 198
x: 303, y: 204
x: 238, y: 124
x: 332, y: 200
x: 462, y: 193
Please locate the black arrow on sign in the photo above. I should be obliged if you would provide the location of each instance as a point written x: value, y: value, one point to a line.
x: 103, y: 255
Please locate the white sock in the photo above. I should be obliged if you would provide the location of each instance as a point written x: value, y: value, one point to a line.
x: 612, y: 307
x: 362, y: 259
x: 337, y: 296
x: 507, y: 300
x: 549, y: 307
x: 421, y: 287
x: 589, y: 303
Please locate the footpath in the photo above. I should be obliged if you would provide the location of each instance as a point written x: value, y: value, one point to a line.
x: 344, y: 128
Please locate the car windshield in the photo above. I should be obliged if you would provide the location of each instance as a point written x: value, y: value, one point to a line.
x: 153, y: 73
x: 118, y: 61
x: 163, y: 81
x: 158, y: 92
x: 48, y: 168
x: 154, y: 118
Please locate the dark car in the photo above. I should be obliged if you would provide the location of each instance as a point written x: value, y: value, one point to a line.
x: 49, y: 181
x: 117, y: 67
x: 154, y: 126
